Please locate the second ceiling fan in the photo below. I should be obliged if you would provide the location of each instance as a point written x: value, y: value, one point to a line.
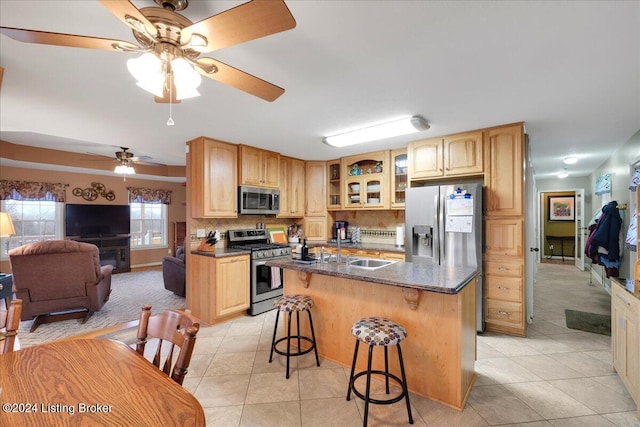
x: 171, y: 44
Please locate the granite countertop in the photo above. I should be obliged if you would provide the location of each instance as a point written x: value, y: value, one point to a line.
x: 630, y: 285
x: 431, y: 278
x: 366, y: 246
x: 221, y: 252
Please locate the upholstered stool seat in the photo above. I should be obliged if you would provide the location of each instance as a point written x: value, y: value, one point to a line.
x: 378, y: 331
x: 293, y: 304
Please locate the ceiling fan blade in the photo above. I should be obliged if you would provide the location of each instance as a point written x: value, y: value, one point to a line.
x: 248, y: 21
x: 125, y: 11
x: 239, y: 79
x: 70, y: 40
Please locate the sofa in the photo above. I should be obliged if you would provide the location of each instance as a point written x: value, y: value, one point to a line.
x: 174, y: 272
x: 58, y: 280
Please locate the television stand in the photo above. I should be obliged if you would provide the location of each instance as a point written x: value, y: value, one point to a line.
x: 115, y: 251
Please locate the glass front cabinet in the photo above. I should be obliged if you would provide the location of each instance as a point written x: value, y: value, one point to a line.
x: 398, y: 178
x: 366, y: 181
x: 335, y: 185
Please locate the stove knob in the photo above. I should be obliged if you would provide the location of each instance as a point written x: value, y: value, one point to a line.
x: 259, y: 255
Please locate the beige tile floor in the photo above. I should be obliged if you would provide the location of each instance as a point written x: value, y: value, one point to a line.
x: 554, y: 377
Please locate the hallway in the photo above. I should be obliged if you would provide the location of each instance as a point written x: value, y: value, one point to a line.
x: 554, y: 377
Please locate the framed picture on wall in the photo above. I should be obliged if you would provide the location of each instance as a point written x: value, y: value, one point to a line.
x: 562, y: 208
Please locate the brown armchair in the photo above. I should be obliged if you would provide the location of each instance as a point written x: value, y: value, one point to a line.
x: 59, y: 276
x: 174, y: 272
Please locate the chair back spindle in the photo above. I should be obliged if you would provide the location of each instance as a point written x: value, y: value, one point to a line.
x: 172, y: 329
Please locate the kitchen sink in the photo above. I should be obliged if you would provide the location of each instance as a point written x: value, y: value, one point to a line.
x: 370, y: 263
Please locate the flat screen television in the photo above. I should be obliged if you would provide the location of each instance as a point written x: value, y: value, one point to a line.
x: 97, y: 220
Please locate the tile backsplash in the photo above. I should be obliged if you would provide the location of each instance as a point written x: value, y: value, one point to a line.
x: 375, y: 226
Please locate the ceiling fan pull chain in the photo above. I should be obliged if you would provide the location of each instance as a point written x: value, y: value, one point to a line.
x: 170, y: 122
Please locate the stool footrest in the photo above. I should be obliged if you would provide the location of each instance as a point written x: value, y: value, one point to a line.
x: 299, y: 352
x: 378, y: 401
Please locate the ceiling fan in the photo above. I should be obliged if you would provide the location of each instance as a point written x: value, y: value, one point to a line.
x: 171, y: 44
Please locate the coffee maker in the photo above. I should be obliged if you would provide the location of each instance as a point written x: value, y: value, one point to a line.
x: 340, y: 230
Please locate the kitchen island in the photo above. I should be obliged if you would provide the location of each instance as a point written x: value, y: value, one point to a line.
x: 436, y: 304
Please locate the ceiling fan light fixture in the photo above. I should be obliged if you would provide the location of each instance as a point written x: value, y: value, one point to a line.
x: 125, y: 170
x: 147, y: 70
x: 185, y: 78
x: 377, y: 132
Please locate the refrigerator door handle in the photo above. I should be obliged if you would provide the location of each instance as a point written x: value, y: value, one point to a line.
x: 441, y: 235
x: 435, y: 240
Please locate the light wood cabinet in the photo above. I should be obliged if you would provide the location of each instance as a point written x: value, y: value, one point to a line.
x: 232, y: 285
x: 315, y: 225
x: 212, y: 181
x: 454, y: 155
x: 505, y: 299
x: 463, y: 154
x: 504, y: 237
x: 217, y: 286
x: 625, y: 336
x: 316, y: 189
x: 505, y: 187
x: 425, y: 158
x: 399, y: 174
x: 316, y: 228
x: 366, y: 181
x: 292, y: 188
x: 625, y: 311
x: 334, y: 185
x: 258, y: 168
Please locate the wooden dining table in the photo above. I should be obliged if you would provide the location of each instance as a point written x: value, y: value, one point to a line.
x: 90, y: 382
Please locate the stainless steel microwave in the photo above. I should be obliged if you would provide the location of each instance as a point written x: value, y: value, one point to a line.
x: 258, y: 201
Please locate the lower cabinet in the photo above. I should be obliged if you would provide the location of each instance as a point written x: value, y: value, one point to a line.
x: 625, y: 337
x: 217, y: 286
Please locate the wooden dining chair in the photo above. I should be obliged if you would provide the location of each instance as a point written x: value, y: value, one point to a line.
x: 9, y: 326
x: 173, y: 328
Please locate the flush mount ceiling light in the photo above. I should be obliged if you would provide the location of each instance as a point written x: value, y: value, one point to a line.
x: 563, y: 175
x: 570, y: 160
x: 399, y: 127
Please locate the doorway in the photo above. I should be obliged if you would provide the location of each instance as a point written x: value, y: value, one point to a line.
x: 562, y: 230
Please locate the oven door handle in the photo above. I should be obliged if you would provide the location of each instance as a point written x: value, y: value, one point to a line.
x: 264, y: 261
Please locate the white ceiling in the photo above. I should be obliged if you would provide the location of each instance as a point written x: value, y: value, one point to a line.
x: 569, y: 70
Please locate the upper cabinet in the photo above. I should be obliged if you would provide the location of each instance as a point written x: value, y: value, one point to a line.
x: 504, y: 193
x: 292, y: 188
x: 454, y: 155
x: 212, y: 182
x: 334, y: 185
x: 425, y: 158
x: 258, y: 168
x: 366, y: 181
x: 399, y: 174
x: 316, y: 181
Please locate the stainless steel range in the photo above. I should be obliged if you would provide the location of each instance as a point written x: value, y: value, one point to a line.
x: 266, y: 282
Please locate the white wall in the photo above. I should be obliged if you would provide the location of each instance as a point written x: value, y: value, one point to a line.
x: 619, y: 166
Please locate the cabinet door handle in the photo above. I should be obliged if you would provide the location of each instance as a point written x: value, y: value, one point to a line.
x: 505, y: 288
x: 503, y: 268
x: 504, y: 313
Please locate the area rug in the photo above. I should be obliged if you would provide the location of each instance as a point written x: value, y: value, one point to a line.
x: 130, y: 291
x: 589, y: 322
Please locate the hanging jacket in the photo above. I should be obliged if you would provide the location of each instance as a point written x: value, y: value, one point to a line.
x: 607, y: 232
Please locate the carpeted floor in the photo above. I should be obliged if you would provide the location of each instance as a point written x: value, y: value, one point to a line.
x: 130, y: 291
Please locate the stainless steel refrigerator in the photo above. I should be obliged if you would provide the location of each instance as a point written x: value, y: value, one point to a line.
x: 443, y: 225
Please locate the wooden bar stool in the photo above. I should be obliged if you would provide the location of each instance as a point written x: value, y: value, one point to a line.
x: 378, y: 331
x: 291, y: 304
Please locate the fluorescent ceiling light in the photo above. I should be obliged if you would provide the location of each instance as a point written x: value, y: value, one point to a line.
x: 400, y: 127
x: 570, y: 160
